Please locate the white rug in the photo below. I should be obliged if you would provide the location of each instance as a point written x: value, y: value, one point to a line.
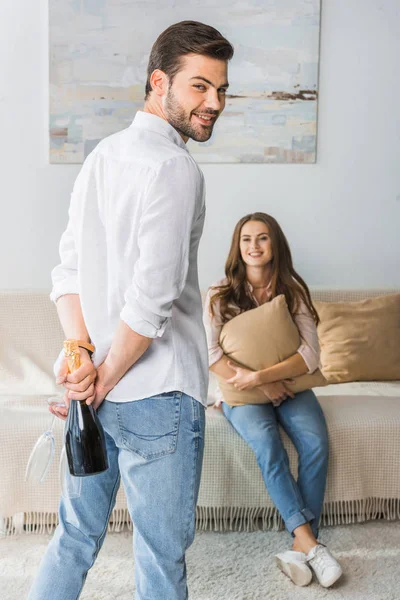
x: 228, y: 566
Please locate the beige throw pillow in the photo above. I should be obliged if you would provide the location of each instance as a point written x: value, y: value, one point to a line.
x: 260, y: 338
x: 360, y: 341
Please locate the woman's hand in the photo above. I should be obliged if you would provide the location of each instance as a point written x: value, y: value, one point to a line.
x: 277, y: 392
x: 244, y: 378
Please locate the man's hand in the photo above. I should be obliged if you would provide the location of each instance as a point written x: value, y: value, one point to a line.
x: 79, y: 385
x: 103, y: 384
x: 277, y: 392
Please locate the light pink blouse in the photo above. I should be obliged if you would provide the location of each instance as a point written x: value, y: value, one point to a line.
x: 308, y: 349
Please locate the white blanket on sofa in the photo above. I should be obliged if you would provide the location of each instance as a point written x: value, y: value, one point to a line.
x: 363, y: 480
x: 363, y: 421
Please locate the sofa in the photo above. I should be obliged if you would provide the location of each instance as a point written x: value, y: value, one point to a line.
x: 363, y: 421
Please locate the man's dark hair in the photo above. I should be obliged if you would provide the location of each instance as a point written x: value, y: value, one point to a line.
x: 186, y: 37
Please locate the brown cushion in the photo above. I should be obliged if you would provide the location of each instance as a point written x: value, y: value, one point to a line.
x: 260, y: 338
x: 360, y: 341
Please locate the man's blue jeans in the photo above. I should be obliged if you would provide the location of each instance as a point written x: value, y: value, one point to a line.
x: 156, y: 446
x: 304, y: 422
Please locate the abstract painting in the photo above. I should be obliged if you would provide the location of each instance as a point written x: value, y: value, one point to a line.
x: 99, y: 51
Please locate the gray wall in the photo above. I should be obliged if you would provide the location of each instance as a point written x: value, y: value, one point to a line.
x: 341, y: 216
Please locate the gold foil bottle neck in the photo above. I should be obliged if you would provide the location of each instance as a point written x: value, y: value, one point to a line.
x: 72, y: 354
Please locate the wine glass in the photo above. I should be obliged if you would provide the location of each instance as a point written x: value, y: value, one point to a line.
x: 42, y: 453
x: 42, y: 456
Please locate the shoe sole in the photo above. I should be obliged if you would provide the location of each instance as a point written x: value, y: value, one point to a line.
x: 330, y: 581
x: 294, y: 572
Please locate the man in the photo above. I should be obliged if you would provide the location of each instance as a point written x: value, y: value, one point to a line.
x: 128, y: 284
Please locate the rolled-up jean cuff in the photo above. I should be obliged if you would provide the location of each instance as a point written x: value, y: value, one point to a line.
x: 300, y: 518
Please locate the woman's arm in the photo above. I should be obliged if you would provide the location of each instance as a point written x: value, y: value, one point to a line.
x: 221, y: 367
x: 291, y: 367
x: 306, y: 359
x: 212, y: 325
x: 276, y: 391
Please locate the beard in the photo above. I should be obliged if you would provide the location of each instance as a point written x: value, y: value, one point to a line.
x: 180, y: 121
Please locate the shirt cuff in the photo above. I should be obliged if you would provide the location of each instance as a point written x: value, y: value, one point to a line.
x: 214, y: 355
x: 309, y: 358
x: 64, y: 287
x: 144, y: 322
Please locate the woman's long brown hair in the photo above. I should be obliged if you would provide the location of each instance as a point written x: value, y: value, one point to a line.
x: 285, y: 280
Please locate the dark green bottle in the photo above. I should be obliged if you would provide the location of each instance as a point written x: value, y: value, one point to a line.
x: 84, y: 435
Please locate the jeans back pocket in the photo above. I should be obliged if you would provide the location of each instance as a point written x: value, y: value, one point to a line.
x: 149, y: 427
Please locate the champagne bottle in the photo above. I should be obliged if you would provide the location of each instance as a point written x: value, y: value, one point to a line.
x: 84, y: 436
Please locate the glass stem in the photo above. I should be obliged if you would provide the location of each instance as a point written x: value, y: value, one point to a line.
x: 52, y: 422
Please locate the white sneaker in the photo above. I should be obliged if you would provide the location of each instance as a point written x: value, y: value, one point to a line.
x: 325, y: 567
x: 294, y: 565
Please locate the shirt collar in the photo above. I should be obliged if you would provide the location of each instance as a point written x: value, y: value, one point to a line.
x: 151, y: 122
x: 252, y: 289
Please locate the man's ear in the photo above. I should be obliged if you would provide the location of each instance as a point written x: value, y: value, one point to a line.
x: 159, y: 82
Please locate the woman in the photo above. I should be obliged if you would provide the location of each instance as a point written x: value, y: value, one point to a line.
x: 259, y: 267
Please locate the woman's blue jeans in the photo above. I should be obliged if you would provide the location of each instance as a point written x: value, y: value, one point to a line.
x: 156, y: 446
x: 304, y: 422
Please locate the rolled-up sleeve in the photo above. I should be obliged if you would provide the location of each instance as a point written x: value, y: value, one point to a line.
x: 171, y: 206
x: 309, y: 348
x: 213, y: 326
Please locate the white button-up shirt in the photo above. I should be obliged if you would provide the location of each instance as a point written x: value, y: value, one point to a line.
x: 130, y: 251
